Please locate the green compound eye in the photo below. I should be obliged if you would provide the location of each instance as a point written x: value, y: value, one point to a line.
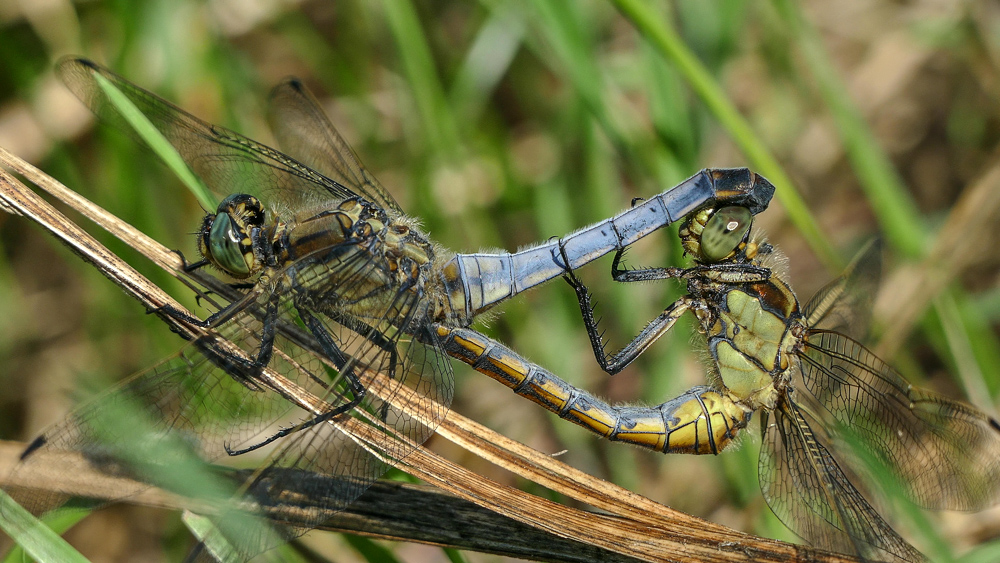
x: 224, y: 244
x: 724, y: 231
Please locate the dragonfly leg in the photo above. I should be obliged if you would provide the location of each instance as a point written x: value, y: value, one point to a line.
x: 304, y: 425
x: 615, y: 362
x: 730, y: 273
x: 246, y: 371
x: 220, y: 316
x: 347, y: 370
x: 370, y: 334
x: 189, y: 266
x: 627, y: 275
x: 722, y: 273
x: 333, y: 351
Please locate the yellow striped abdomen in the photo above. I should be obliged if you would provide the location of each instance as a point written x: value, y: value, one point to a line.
x: 700, y: 421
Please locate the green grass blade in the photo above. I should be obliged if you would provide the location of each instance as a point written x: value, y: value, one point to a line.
x: 985, y: 553
x: 35, y: 538
x: 156, y: 141
x: 897, y: 213
x: 485, y: 63
x: 668, y: 43
x: 418, y: 63
x: 564, y: 29
x: 889, y: 199
x: 454, y: 556
x: 369, y: 550
x: 215, y: 543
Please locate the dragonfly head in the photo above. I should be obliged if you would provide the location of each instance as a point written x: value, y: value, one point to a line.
x: 715, y: 235
x: 226, y: 236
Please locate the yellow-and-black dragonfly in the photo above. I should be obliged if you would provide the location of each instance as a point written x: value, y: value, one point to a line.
x: 335, y: 283
x: 830, y: 409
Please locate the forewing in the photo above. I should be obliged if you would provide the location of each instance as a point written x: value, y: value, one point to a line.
x: 225, y: 160
x: 305, y: 132
x: 320, y: 469
x: 845, y: 304
x: 359, y: 325
x: 946, y: 453
x: 149, y: 428
x: 808, y: 491
x: 207, y: 399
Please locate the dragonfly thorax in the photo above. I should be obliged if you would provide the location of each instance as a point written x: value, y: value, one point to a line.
x: 748, y: 314
x: 353, y: 258
x: 752, y: 323
x: 393, y: 241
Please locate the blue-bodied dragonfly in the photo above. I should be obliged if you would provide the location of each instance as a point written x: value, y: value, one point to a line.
x: 335, y: 284
x: 830, y: 409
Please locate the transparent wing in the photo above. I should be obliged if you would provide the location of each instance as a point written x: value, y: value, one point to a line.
x: 304, y: 131
x: 845, y: 304
x: 809, y: 492
x: 374, y: 326
x: 150, y: 425
x: 204, y: 400
x: 225, y: 160
x: 946, y: 453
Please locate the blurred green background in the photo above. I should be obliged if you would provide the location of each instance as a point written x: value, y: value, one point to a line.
x: 500, y: 123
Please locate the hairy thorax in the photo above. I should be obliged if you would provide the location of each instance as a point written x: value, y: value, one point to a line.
x: 369, y: 257
x: 752, y: 330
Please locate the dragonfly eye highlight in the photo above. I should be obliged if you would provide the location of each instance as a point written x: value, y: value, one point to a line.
x: 724, y: 232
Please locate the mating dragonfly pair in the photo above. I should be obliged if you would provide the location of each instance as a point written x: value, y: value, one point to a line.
x: 340, y: 292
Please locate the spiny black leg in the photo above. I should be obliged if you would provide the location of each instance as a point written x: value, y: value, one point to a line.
x: 731, y: 273
x: 368, y: 332
x: 301, y: 426
x: 326, y: 343
x: 177, y: 314
x: 583, y: 298
x: 267, y: 333
x: 189, y: 266
x: 330, y: 348
x: 239, y: 368
x: 627, y: 275
x: 205, y: 294
x: 371, y: 334
x: 362, y: 329
x: 342, y: 361
x: 614, y: 363
x: 356, y: 326
x: 194, y: 265
x: 215, y: 319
